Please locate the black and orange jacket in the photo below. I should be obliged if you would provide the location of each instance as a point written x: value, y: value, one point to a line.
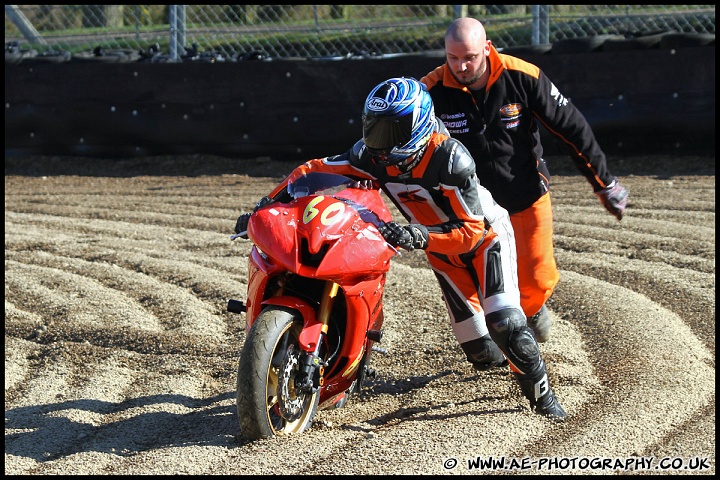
x: 441, y: 191
x: 500, y: 128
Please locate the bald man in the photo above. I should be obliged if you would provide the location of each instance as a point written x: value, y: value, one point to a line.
x: 494, y: 104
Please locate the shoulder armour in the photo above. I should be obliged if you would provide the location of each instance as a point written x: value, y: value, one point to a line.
x: 460, y: 163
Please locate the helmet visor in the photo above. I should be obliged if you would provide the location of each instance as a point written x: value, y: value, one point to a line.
x: 382, y: 134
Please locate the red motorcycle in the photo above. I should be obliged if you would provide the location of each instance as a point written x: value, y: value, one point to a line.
x: 314, y: 306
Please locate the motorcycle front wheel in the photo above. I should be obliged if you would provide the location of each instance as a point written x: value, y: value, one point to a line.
x: 267, y: 402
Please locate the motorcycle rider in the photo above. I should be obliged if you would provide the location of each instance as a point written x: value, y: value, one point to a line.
x: 467, y: 237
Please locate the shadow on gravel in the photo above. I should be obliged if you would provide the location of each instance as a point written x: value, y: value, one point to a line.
x: 435, y: 412
x: 406, y: 386
x: 206, y: 423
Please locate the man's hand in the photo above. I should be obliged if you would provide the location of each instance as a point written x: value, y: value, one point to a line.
x: 614, y: 198
x: 408, y: 237
x: 242, y: 225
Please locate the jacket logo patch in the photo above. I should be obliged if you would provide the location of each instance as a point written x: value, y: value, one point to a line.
x: 555, y: 93
x: 455, y: 122
x: 510, y: 115
x: 511, y: 110
x: 411, y: 197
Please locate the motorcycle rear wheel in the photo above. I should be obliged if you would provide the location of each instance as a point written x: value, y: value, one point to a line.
x: 267, y: 403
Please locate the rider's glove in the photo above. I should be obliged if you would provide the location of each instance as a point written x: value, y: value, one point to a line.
x: 614, y: 198
x: 263, y: 201
x: 365, y: 184
x: 408, y: 237
x: 242, y: 225
x: 242, y: 221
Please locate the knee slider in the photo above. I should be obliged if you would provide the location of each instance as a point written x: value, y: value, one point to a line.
x: 510, y: 331
x: 523, y: 346
x: 503, y: 323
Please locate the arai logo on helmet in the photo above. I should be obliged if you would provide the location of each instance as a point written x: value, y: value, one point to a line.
x: 377, y: 104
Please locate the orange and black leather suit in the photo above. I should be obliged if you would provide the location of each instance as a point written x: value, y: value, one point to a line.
x: 471, y: 247
x: 500, y: 127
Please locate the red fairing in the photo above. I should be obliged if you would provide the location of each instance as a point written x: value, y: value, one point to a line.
x: 354, y: 247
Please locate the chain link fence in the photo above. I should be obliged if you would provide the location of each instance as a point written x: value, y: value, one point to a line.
x: 236, y: 32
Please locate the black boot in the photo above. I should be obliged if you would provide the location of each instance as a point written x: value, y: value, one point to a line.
x: 536, y: 388
x: 540, y: 324
x: 549, y: 407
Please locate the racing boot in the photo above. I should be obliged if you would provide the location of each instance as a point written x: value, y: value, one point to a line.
x: 536, y: 388
x: 484, y: 354
x: 549, y: 407
x: 540, y: 324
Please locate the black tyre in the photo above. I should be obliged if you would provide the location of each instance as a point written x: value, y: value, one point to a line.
x: 582, y: 44
x: 267, y: 403
x: 684, y: 40
x: 522, y: 51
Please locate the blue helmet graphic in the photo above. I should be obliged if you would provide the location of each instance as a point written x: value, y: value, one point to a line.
x: 398, y: 120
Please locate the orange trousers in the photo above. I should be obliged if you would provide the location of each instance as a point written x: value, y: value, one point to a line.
x: 537, y: 270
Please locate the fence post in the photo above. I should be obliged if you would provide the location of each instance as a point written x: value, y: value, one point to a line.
x: 544, y: 24
x: 23, y: 24
x: 181, y: 27
x: 540, y: 24
x: 460, y: 11
x: 173, y: 32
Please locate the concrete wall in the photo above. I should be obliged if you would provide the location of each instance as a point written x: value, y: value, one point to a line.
x: 640, y: 100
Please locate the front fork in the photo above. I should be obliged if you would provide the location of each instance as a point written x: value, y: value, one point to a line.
x: 310, y: 367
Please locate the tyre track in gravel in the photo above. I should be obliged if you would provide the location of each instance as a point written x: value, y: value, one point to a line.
x: 120, y: 357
